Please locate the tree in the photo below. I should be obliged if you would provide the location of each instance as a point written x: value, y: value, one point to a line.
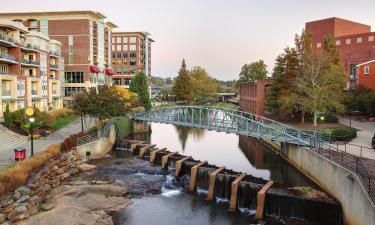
x: 7, y: 117
x: 107, y: 102
x: 182, y: 86
x: 139, y: 85
x: 253, y: 71
x: 204, y: 86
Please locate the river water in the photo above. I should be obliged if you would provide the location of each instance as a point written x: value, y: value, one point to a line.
x: 175, y: 206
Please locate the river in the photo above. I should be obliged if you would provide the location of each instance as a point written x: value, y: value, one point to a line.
x: 242, y: 154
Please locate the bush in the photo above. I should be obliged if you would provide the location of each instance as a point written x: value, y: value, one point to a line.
x: 18, y: 174
x: 47, y: 119
x: 7, y: 117
x: 61, y: 112
x: 71, y: 141
x: 331, y: 118
x: 373, y: 142
x: 343, y: 134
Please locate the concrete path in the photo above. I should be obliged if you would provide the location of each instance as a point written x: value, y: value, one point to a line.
x: 7, y: 156
x: 365, y: 133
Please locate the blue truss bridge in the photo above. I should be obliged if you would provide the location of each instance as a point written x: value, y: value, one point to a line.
x: 231, y: 121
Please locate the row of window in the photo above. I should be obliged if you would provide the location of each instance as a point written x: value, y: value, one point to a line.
x: 118, y: 81
x: 74, y: 77
x: 124, y: 47
x: 349, y: 41
x: 70, y: 91
x: 124, y: 40
x: 124, y: 55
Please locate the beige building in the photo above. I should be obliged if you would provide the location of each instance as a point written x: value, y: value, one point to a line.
x: 30, y: 68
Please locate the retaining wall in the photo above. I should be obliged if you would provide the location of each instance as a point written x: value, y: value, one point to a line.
x: 342, y: 184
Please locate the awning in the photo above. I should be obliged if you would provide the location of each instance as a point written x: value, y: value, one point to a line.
x: 108, y: 71
x: 94, y: 69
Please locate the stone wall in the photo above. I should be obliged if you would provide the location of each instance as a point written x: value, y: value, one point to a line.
x: 28, y: 199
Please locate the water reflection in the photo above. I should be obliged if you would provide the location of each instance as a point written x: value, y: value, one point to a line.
x: 185, y: 132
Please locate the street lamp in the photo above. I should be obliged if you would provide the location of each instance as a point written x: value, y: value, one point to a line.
x: 32, y: 119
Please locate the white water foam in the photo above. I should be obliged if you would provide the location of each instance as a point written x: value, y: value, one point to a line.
x: 169, y: 193
x: 221, y: 200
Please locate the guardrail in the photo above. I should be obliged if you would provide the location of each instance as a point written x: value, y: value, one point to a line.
x: 104, y: 132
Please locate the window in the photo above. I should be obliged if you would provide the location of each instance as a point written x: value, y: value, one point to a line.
x: 113, y: 40
x: 125, y: 62
x: 44, y: 26
x: 118, y: 39
x: 359, y: 40
x: 119, y: 55
x: 133, y: 54
x: 133, y: 40
x: 118, y: 47
x: 125, y: 55
x: 338, y: 42
x: 74, y: 77
x: 125, y: 47
x: 370, y: 38
x: 133, y: 63
x: 318, y: 45
x: 113, y: 55
x: 127, y: 82
x: 347, y: 41
x: 70, y: 39
x: 93, y: 78
x: 113, y: 47
x: 132, y: 47
x: 125, y: 39
x: 367, y: 70
x: 117, y: 81
x: 118, y: 70
x: 70, y: 91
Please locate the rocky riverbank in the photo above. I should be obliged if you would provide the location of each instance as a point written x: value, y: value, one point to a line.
x: 54, y: 196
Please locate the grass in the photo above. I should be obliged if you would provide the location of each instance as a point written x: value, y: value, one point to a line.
x: 225, y: 105
x: 63, y: 121
x: 17, y: 175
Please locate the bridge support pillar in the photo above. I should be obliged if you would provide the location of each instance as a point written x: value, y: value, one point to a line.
x: 211, y: 187
x: 153, y: 154
x: 134, y: 145
x: 234, y: 189
x: 164, y: 160
x: 179, y: 165
x: 261, y: 200
x: 193, y: 175
x: 143, y: 150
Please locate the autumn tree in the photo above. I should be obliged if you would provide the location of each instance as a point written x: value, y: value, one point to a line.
x: 203, y: 85
x: 139, y: 85
x: 182, y: 86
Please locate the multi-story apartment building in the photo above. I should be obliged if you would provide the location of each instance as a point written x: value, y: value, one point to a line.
x: 86, y: 39
x: 131, y: 52
x: 30, y: 68
x: 356, y: 43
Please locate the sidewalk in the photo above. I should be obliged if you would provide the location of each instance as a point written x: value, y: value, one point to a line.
x: 365, y: 133
x: 7, y: 157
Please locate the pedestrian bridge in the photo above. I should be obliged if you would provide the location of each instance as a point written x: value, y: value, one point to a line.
x: 230, y: 121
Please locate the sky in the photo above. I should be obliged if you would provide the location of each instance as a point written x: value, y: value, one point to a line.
x: 218, y: 35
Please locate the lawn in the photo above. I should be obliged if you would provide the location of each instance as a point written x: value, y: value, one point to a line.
x: 63, y: 121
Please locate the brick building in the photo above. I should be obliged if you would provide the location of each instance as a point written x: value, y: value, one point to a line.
x: 131, y: 52
x: 30, y: 68
x: 253, y: 96
x: 86, y: 39
x: 356, y: 43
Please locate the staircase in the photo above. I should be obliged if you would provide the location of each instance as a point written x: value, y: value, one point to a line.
x: 9, y: 139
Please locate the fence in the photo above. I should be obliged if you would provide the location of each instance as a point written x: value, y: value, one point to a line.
x: 104, y: 132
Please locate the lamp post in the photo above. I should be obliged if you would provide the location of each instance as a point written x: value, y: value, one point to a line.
x: 32, y: 119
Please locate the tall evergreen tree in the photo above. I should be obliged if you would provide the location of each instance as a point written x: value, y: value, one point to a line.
x: 182, y: 86
x: 139, y: 85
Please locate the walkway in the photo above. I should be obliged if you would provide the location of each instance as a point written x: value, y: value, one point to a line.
x: 10, y: 138
x: 365, y: 133
x: 7, y: 156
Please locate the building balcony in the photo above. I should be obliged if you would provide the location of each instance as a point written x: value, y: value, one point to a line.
x: 30, y: 63
x: 33, y: 75
x: 54, y: 92
x: 54, y: 67
x: 6, y: 93
x: 55, y: 54
x: 27, y: 47
x: 34, y: 92
x: 8, y: 59
x: 7, y: 41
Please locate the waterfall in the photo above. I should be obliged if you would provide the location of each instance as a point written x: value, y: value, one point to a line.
x: 203, y: 180
x: 223, y: 186
x: 247, y: 195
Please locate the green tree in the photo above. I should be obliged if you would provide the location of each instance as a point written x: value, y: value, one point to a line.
x: 182, y: 86
x: 204, y: 86
x: 7, y: 117
x: 253, y: 71
x: 139, y: 85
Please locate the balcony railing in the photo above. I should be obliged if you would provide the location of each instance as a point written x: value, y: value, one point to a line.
x: 32, y: 75
x: 54, y: 66
x: 30, y: 62
x: 55, y: 53
x: 54, y: 92
x: 5, y: 92
x: 29, y: 46
x: 8, y: 57
x: 34, y: 92
x: 6, y: 38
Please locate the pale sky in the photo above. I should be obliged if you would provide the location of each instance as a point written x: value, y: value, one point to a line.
x: 219, y: 35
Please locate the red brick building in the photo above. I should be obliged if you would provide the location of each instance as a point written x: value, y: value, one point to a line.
x: 253, y: 96
x: 356, y: 43
x: 86, y: 39
x: 366, y: 73
x: 131, y: 52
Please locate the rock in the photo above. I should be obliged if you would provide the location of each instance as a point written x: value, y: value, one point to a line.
x: 19, y: 217
x: 47, y: 206
x: 78, y: 182
x: 23, y: 199
x: 35, y: 200
x: 371, y: 119
x: 78, y: 162
x: 21, y: 208
x: 98, y: 182
x: 16, y: 195
x: 63, y: 163
x: 60, y: 171
x: 85, y: 167
x: 46, y: 188
x: 64, y: 176
x: 3, y: 217
x: 73, y: 171
x: 54, y: 168
x: 9, y: 209
x: 6, y: 201
x: 6, y: 223
x: 24, y: 190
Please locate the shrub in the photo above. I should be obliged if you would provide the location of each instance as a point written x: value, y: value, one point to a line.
x: 47, y: 119
x: 331, y: 118
x: 61, y: 112
x: 343, y: 134
x: 7, y: 117
x: 71, y: 141
x: 18, y: 174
